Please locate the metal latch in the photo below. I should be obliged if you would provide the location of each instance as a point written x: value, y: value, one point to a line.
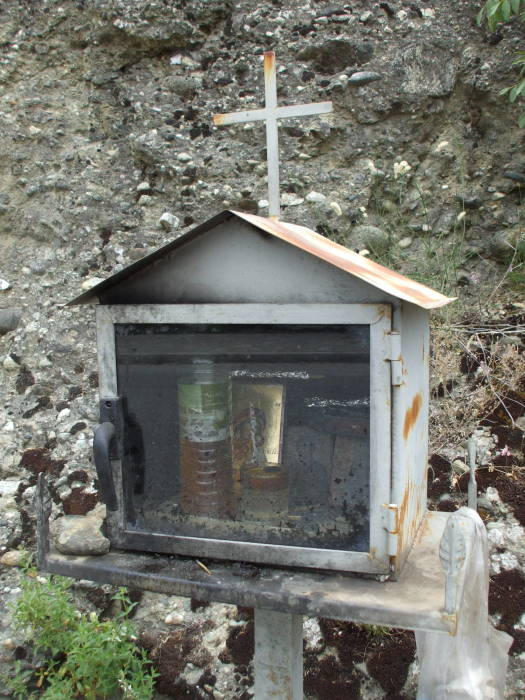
x: 392, y: 527
x: 396, y: 362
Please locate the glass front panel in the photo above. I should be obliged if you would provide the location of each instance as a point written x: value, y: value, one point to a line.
x: 247, y: 433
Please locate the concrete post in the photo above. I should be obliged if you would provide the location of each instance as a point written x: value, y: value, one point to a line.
x: 278, y: 663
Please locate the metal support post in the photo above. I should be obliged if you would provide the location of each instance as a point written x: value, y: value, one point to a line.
x: 278, y: 663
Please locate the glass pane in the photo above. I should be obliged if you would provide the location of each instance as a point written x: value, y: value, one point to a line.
x: 247, y: 433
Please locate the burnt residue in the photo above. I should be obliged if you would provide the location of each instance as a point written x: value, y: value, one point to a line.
x: 24, y: 379
x: 439, y: 472
x: 510, y: 436
x: 388, y: 663
x: 79, y: 502
x: 169, y: 655
x: 326, y: 679
x: 240, y: 646
x: 387, y: 654
x: 509, y: 483
x: 411, y: 415
x: 38, y: 460
x: 507, y: 599
x: 505, y: 408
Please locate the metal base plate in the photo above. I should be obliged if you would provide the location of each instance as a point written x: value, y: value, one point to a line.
x: 414, y: 601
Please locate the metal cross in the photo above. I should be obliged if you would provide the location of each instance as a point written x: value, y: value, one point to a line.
x: 270, y: 114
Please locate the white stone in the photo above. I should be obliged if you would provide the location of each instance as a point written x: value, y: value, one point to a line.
x: 405, y: 242
x: 441, y: 146
x: 9, y: 427
x: 4, y: 284
x: 401, y: 168
x: 10, y: 365
x: 184, y: 157
x: 143, y: 186
x: 315, y: 197
x: 290, y: 199
x: 496, y: 537
x: 516, y: 534
x: 168, y: 221
x: 174, y: 618
x: 9, y: 487
x: 145, y: 200
x: 508, y: 561
x: 459, y: 466
x: 492, y: 494
x: 428, y: 12
x: 335, y: 207
x: 262, y: 204
x: 91, y: 282
x: 64, y: 413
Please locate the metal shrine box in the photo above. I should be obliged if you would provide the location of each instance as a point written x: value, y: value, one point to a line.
x: 263, y: 398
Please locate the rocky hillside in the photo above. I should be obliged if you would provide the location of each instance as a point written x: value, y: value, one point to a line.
x: 108, y: 151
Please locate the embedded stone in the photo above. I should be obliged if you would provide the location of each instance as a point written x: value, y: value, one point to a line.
x: 14, y: 557
x: 168, y: 221
x: 9, y: 319
x: 80, y: 535
x: 363, y: 77
x: 315, y: 197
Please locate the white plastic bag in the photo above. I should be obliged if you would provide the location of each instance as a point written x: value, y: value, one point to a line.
x: 472, y: 665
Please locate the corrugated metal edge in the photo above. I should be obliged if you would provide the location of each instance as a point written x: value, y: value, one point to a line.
x: 301, y: 237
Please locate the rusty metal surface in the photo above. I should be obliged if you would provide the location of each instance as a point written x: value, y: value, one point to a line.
x: 303, y: 238
x: 345, y: 259
x: 414, y: 601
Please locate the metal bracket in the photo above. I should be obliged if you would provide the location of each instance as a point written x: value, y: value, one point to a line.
x: 396, y: 360
x: 391, y: 527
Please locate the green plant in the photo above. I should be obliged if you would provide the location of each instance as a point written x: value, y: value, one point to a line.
x: 495, y: 12
x: 440, y: 255
x: 84, y: 657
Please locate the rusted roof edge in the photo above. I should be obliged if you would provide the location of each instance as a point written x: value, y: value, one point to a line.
x: 345, y: 259
x: 301, y: 237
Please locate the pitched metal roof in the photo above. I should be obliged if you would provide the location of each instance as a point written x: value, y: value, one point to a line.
x: 301, y: 237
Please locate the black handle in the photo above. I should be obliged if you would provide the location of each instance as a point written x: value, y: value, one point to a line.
x: 104, y: 434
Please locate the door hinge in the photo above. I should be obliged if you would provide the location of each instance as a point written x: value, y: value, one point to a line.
x: 396, y: 360
x: 392, y: 527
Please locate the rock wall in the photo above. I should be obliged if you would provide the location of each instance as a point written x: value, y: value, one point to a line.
x: 108, y: 151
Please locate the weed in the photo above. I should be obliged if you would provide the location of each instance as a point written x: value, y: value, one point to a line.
x: 84, y: 657
x: 439, y: 256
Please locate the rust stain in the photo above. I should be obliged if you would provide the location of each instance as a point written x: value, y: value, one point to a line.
x: 411, y: 415
x: 218, y: 119
x: 424, y: 529
x: 269, y: 63
x: 401, y: 516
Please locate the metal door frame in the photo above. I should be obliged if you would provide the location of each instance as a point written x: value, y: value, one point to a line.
x: 379, y: 319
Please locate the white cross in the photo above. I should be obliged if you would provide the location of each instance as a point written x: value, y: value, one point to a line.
x: 271, y: 113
